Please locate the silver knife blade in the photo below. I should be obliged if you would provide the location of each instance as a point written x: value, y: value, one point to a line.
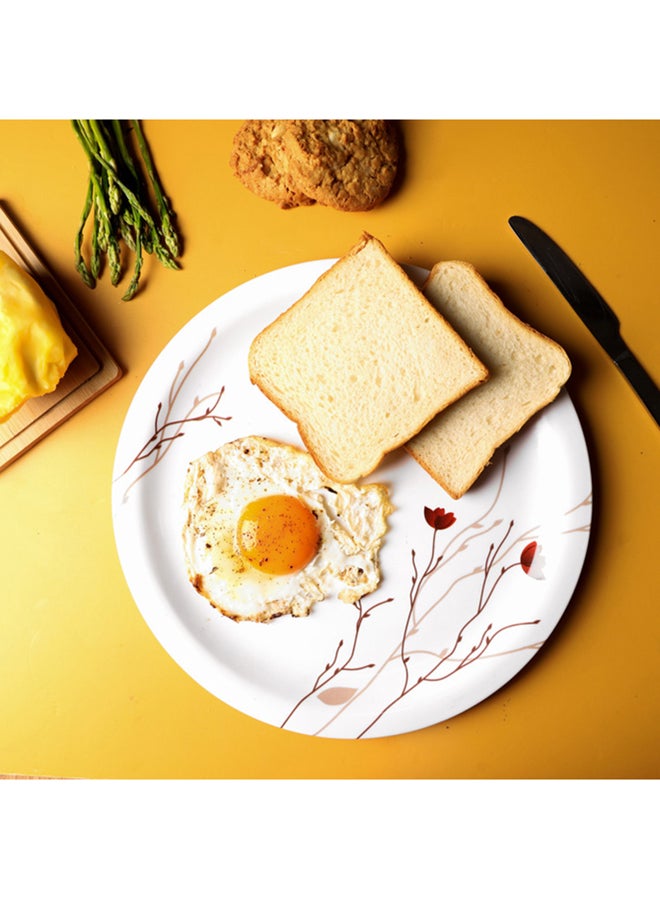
x: 590, y: 307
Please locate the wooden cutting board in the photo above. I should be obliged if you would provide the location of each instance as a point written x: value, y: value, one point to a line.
x: 90, y: 373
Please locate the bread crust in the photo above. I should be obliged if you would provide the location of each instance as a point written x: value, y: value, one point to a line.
x: 335, y: 385
x: 524, y: 386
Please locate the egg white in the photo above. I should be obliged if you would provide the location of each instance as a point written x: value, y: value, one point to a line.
x: 352, y: 522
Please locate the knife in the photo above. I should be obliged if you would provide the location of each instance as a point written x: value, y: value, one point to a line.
x: 590, y: 307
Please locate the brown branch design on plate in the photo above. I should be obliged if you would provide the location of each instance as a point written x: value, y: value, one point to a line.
x: 450, y: 660
x: 168, y: 426
x: 339, y: 695
x: 471, y: 642
x: 584, y: 504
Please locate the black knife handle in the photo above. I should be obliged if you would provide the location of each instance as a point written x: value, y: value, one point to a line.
x: 639, y: 379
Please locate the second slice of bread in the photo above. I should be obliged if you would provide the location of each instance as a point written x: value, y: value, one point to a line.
x: 361, y: 362
x: 527, y: 370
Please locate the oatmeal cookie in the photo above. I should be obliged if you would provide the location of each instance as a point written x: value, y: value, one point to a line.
x: 342, y: 163
x: 259, y: 162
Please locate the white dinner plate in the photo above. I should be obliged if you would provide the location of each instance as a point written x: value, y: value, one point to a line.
x: 469, y: 592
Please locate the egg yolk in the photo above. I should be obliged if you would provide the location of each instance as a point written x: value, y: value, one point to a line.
x: 278, y: 534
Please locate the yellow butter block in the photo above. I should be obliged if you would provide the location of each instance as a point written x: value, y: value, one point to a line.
x: 35, y: 351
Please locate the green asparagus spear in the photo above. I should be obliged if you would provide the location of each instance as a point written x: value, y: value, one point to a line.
x: 127, y: 203
x: 169, y: 231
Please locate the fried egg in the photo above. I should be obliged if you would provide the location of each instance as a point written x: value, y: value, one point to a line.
x: 267, y: 534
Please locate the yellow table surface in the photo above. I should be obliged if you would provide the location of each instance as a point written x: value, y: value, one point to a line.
x: 87, y: 691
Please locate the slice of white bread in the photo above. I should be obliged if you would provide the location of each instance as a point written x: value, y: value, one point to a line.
x: 527, y: 370
x: 361, y: 362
